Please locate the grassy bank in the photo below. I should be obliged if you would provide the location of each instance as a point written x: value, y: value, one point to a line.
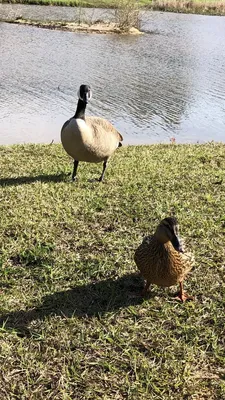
x: 213, y: 7
x: 72, y: 325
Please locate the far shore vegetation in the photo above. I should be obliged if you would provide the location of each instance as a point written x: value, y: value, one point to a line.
x: 213, y: 7
x: 72, y: 322
x: 126, y: 20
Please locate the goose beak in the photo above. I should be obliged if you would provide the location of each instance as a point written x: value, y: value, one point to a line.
x: 177, y: 244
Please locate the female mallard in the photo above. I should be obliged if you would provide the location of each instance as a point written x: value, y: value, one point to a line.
x: 161, y: 260
x: 90, y: 139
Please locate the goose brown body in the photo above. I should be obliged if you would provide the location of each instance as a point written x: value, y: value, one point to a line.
x: 159, y: 262
x: 92, y: 140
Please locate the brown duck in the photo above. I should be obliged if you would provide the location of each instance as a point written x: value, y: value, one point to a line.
x: 161, y: 260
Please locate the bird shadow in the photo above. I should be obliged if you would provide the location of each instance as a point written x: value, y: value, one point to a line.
x: 90, y: 300
x: 21, y: 180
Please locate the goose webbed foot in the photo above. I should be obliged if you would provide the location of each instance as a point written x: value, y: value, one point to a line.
x: 146, y: 289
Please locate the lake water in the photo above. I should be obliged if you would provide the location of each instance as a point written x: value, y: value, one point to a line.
x: 169, y: 83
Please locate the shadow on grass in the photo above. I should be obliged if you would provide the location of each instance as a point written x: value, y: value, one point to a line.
x: 93, y: 299
x: 21, y: 180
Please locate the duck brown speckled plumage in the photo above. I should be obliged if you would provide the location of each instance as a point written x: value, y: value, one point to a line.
x: 161, y: 260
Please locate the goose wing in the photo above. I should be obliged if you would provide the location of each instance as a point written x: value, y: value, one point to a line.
x: 101, y: 125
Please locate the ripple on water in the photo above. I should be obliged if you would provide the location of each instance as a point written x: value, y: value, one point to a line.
x: 152, y: 87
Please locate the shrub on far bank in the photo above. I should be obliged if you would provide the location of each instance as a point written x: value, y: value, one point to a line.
x: 127, y: 14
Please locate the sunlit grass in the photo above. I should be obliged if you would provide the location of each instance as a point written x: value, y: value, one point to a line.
x: 72, y: 324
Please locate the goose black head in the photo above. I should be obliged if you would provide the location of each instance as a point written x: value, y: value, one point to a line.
x: 84, y: 93
x: 168, y: 230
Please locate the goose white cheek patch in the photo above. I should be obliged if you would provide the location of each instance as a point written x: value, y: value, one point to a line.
x: 78, y: 94
x: 89, y: 95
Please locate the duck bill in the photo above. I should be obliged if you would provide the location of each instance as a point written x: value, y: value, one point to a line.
x: 177, y: 244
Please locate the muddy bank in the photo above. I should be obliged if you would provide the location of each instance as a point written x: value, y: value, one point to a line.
x: 99, y: 27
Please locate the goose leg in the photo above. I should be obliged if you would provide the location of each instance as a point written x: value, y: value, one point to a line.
x: 146, y: 289
x: 103, y: 171
x: 75, y: 165
x: 182, y: 296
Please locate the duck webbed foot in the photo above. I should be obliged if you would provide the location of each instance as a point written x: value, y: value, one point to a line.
x: 182, y: 296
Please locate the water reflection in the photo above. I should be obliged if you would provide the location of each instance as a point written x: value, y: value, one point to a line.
x: 153, y: 87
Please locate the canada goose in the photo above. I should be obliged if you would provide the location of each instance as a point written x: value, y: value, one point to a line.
x: 161, y: 259
x: 90, y: 139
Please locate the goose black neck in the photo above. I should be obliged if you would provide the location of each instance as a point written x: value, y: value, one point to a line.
x: 80, y: 111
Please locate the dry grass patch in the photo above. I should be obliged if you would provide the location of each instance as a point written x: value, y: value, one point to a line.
x: 216, y: 7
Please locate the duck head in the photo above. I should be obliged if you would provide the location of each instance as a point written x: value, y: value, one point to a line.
x: 168, y: 230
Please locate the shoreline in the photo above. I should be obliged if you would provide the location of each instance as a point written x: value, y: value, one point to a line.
x: 202, y: 7
x: 101, y: 28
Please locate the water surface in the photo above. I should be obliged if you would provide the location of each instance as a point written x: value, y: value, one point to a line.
x: 169, y: 83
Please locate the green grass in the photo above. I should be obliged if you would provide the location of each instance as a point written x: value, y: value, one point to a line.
x: 80, y: 3
x: 71, y: 3
x: 72, y: 325
x: 214, y: 7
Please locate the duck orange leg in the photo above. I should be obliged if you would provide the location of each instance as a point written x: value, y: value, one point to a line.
x: 182, y: 296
